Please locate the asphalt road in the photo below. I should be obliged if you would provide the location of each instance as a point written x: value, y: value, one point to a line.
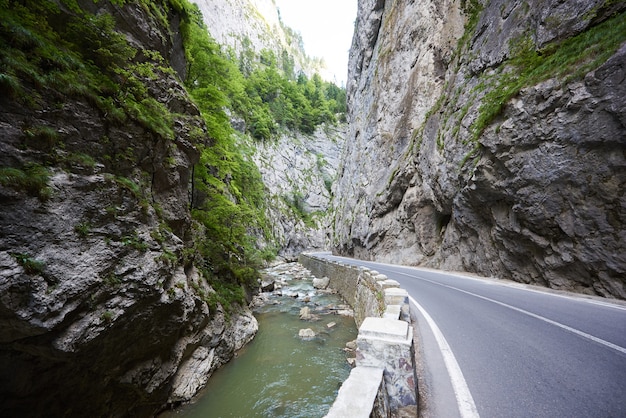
x: 491, y: 348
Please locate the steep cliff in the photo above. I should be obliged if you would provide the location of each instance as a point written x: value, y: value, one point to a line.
x: 251, y: 26
x: 297, y: 167
x: 489, y: 136
x: 299, y: 171
x: 102, y: 311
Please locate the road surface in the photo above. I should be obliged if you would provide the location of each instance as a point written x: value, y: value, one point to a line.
x: 492, y: 348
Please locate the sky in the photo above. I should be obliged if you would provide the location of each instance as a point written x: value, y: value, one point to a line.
x: 326, y: 27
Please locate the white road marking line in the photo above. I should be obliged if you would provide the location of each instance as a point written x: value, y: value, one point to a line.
x: 497, y: 282
x: 542, y: 318
x: 464, y: 399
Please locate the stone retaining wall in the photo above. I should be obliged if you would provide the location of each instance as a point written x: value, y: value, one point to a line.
x: 343, y: 278
x: 384, y: 381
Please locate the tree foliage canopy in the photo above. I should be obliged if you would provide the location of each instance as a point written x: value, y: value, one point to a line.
x: 261, y: 89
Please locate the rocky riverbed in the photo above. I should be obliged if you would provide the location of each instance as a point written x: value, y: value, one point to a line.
x: 297, y: 361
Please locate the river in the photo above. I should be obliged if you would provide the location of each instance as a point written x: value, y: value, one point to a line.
x: 280, y: 374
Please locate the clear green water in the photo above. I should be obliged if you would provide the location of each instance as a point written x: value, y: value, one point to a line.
x: 278, y: 374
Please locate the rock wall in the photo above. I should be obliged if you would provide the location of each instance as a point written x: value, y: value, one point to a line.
x: 99, y: 314
x: 298, y: 171
x: 254, y: 25
x: 484, y: 138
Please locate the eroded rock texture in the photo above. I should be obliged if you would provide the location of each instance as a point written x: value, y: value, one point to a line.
x: 99, y: 315
x: 444, y: 167
x: 298, y: 171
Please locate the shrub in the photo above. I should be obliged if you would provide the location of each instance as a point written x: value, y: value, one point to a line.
x: 82, y: 228
x: 135, y: 242
x: 107, y: 316
x: 29, y: 264
x: 129, y: 185
x: 33, y: 179
x: 112, y: 280
x: 10, y: 85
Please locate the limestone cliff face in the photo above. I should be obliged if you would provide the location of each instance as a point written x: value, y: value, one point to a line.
x: 298, y: 171
x: 231, y: 22
x: 484, y: 137
x: 99, y: 315
x: 254, y: 25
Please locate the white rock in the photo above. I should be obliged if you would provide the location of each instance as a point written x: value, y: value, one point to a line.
x: 305, y: 313
x: 306, y: 334
x: 321, y: 283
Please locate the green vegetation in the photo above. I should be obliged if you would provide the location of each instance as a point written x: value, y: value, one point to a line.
x: 229, y: 199
x: 567, y: 60
x: 129, y: 185
x: 32, y: 179
x: 112, y: 280
x: 226, y: 294
x: 29, y: 264
x: 41, y: 136
x: 52, y: 53
x: 82, y: 228
x: 168, y: 258
x: 265, y: 93
x: 107, y: 316
x: 46, y: 51
x: 79, y: 159
x: 296, y: 204
x: 135, y: 241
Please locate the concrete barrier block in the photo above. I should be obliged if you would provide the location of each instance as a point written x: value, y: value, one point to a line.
x: 399, y: 296
x: 396, y: 296
x: 388, y: 344
x: 358, y: 394
x: 387, y: 284
x: 385, y: 330
x: 380, y: 277
x: 392, y: 312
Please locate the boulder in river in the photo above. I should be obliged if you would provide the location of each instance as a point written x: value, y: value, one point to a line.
x: 268, y: 286
x: 321, y: 283
x: 306, y: 334
x: 306, y: 315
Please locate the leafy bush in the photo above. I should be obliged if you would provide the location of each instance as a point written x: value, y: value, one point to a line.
x: 135, y: 241
x: 82, y: 228
x: 227, y: 295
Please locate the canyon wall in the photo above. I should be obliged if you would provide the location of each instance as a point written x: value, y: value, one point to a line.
x: 298, y: 172
x: 297, y: 169
x: 251, y: 26
x: 101, y: 312
x: 489, y: 137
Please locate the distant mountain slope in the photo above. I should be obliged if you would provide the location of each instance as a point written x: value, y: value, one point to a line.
x: 250, y: 26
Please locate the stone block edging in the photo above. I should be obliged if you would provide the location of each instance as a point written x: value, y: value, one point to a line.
x: 384, y: 342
